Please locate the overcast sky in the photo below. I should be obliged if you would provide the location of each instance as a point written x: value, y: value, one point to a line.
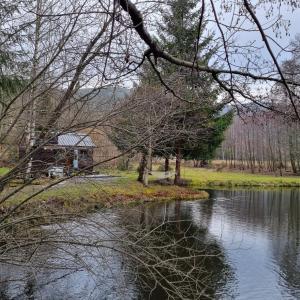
x: 290, y: 19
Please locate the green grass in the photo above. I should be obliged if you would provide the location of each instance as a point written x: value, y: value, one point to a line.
x: 123, y: 191
x: 126, y: 190
x: 3, y: 171
x: 205, y: 178
x: 211, y: 178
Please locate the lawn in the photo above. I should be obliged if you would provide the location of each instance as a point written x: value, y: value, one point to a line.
x: 3, y: 171
x: 208, y: 177
x: 198, y: 177
x: 85, y: 197
x: 126, y: 190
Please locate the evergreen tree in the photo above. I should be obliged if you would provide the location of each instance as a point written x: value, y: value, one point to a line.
x: 205, y: 150
x: 199, y: 125
x: 194, y: 126
x: 11, y: 80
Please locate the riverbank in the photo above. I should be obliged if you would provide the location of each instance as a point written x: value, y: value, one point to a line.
x: 89, y: 196
x: 212, y: 178
x: 125, y: 190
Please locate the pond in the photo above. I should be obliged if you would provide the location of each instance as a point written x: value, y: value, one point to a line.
x: 249, y: 243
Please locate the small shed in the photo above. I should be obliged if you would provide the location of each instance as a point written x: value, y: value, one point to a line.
x: 72, y: 151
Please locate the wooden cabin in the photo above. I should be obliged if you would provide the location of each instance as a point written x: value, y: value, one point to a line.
x: 72, y: 151
x: 105, y: 150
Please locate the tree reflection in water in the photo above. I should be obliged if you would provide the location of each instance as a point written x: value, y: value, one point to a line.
x: 181, y: 260
x: 275, y: 213
x: 176, y: 249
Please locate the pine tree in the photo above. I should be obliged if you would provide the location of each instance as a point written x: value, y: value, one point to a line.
x: 192, y: 128
x: 197, y: 122
x: 11, y: 80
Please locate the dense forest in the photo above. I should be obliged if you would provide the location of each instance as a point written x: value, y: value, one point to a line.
x: 262, y: 142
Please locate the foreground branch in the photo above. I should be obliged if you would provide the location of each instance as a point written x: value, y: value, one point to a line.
x: 138, y: 23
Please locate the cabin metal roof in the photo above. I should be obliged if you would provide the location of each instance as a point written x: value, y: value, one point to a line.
x: 75, y: 140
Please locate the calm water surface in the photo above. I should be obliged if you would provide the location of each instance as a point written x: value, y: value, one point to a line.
x: 256, y: 233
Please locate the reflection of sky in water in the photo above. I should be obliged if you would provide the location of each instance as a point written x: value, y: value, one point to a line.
x: 254, y: 249
x: 259, y: 233
x: 86, y: 273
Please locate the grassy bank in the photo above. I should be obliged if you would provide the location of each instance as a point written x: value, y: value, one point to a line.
x: 212, y: 178
x: 82, y: 197
x: 126, y: 190
x: 209, y: 178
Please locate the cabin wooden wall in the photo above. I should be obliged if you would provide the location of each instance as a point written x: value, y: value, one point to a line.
x: 105, y: 149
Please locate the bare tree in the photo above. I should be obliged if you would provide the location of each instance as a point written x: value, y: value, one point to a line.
x: 59, y: 47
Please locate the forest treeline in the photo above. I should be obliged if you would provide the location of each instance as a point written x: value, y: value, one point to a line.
x: 262, y: 142
x: 267, y: 140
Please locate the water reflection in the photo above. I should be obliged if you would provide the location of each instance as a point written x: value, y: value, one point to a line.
x: 246, y: 245
x: 71, y: 271
x: 201, y: 270
x: 261, y: 233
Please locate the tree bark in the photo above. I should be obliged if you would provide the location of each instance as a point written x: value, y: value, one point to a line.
x: 148, y: 163
x: 31, y: 127
x: 167, y: 165
x: 177, y: 179
x: 142, y: 168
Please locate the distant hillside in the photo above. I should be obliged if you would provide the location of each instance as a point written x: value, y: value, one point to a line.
x: 102, y: 98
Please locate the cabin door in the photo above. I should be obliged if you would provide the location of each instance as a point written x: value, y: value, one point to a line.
x: 75, y: 160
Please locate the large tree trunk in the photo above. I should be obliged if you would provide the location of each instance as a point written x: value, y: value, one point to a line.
x: 177, y: 179
x: 145, y: 166
x: 31, y: 126
x: 142, y: 167
x: 148, y: 163
x: 167, y: 165
x: 151, y: 163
